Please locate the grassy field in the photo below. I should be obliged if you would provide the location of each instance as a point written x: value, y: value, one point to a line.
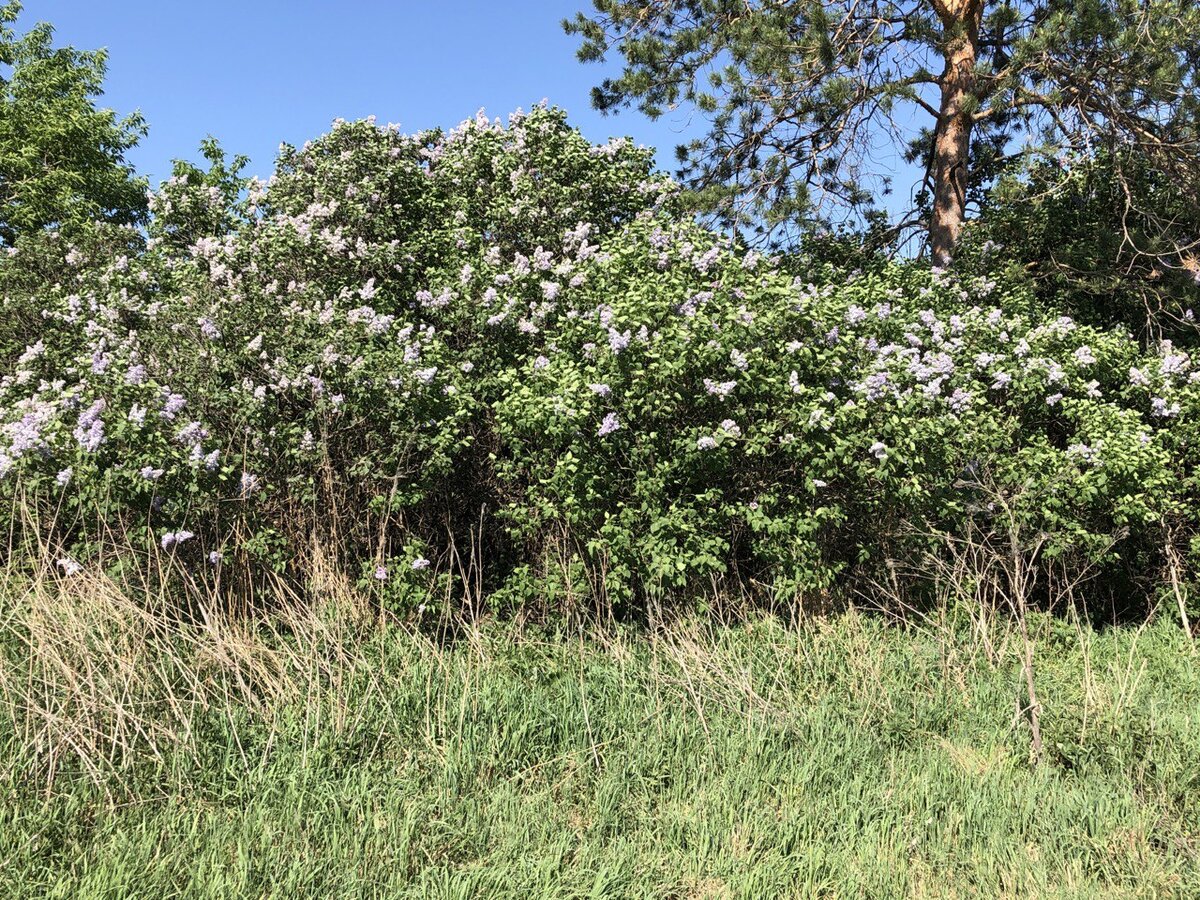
x: 321, y: 755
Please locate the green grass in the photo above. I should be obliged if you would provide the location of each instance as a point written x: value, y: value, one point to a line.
x: 843, y: 757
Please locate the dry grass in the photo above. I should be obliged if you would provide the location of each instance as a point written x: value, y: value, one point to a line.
x: 101, y: 677
x: 310, y: 747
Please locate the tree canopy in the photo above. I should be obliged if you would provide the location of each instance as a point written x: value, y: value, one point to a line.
x: 62, y: 160
x: 804, y: 100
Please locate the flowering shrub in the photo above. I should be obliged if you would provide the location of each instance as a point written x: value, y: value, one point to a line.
x: 703, y: 411
x: 502, y: 347
x: 311, y: 352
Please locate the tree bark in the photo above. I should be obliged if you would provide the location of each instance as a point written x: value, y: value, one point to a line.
x: 952, y: 136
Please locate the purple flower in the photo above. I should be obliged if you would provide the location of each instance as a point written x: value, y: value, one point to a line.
x: 1085, y: 453
x: 32, y: 352
x: 69, y: 566
x: 1173, y: 364
x: 100, y: 361
x: 150, y: 473
x: 249, y: 483
x: 381, y: 573
x: 610, y: 424
x: 64, y: 477
x: 618, y: 341
x: 90, y: 430
x: 692, y: 305
x: 174, y: 538
x: 191, y: 434
x: 427, y: 300
x: 960, y: 400
x: 873, y: 386
x: 730, y: 427
x: 720, y: 389
x: 602, y: 390
x: 706, y: 443
x: 704, y: 263
x: 420, y: 563
x: 1160, y: 408
x: 135, y: 374
x: 879, y: 450
x: 213, y: 558
x: 172, y: 404
x: 92, y: 414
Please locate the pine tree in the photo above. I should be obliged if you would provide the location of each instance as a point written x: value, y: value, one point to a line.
x: 802, y: 97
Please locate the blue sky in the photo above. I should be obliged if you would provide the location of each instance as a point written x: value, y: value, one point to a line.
x: 257, y: 72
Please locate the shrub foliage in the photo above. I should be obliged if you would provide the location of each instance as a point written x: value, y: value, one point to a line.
x: 503, y: 357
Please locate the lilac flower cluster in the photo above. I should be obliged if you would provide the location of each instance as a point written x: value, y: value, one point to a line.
x: 610, y: 424
x: 175, y: 538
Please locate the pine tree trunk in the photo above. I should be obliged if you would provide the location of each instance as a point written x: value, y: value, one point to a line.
x: 952, y: 137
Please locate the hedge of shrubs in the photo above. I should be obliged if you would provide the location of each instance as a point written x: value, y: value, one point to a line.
x: 504, y: 355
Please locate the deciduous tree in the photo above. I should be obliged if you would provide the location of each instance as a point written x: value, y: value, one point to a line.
x: 62, y: 160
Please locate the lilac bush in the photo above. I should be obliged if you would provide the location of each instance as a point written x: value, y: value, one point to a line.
x: 310, y: 354
x: 792, y: 430
x: 503, y: 337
